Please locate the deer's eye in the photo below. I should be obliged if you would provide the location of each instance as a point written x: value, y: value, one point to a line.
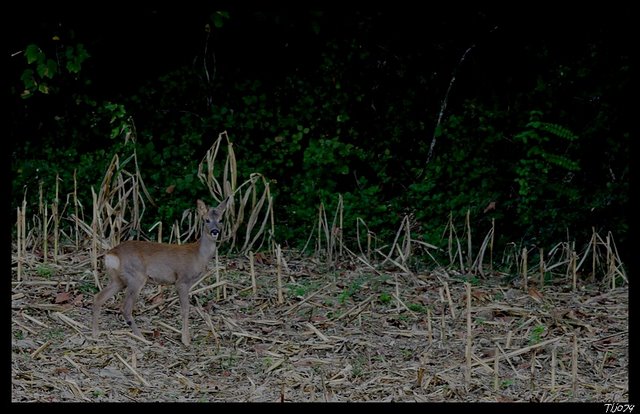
x: 207, y: 220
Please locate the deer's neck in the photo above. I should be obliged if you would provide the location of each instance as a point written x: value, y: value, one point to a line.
x: 206, y: 247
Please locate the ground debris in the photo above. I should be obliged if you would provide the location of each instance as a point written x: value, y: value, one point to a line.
x: 362, y: 339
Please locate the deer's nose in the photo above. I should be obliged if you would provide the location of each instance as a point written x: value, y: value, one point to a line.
x: 215, y: 232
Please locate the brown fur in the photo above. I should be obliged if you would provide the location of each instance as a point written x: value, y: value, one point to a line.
x: 132, y: 263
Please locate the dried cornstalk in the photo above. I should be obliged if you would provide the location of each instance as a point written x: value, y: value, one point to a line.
x: 252, y: 269
x: 279, y: 274
x: 469, y: 332
x: 524, y: 269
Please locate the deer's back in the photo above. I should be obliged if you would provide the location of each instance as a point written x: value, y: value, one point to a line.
x: 161, y: 262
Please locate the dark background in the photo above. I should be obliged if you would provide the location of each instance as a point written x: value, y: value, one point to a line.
x: 522, y: 60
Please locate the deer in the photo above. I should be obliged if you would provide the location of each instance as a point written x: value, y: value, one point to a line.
x: 132, y: 263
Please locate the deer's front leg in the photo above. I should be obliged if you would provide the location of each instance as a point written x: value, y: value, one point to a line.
x: 183, y: 294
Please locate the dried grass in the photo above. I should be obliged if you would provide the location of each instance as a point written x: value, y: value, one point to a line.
x: 343, y: 324
x: 321, y: 348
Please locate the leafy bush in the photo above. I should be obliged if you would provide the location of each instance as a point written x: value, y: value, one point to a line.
x: 353, y: 115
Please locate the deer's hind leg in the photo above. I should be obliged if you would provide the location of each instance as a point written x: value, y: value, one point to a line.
x: 134, y: 286
x: 114, y: 286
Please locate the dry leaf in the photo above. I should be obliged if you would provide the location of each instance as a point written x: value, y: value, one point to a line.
x: 261, y: 258
x: 78, y: 299
x: 63, y: 297
x: 535, y: 294
x: 480, y: 294
x: 558, y: 314
x: 157, y: 298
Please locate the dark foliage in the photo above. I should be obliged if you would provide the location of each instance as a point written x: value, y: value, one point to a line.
x: 528, y: 111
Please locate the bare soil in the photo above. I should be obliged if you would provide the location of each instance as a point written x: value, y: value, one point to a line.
x: 349, y: 333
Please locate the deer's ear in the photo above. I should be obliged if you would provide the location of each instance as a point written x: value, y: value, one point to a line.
x: 222, y: 207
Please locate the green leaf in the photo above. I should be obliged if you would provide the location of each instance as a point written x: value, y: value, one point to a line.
x: 75, y: 57
x: 68, y: 52
x: 51, y: 68
x: 72, y: 67
x: 32, y: 53
x: 27, y: 79
x: 217, y: 20
x: 82, y: 54
x: 315, y: 26
x: 438, y: 131
x: 44, y: 88
x: 342, y: 118
x: 558, y: 130
x: 219, y: 17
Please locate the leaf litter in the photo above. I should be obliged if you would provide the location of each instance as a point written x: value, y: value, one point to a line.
x: 345, y: 333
